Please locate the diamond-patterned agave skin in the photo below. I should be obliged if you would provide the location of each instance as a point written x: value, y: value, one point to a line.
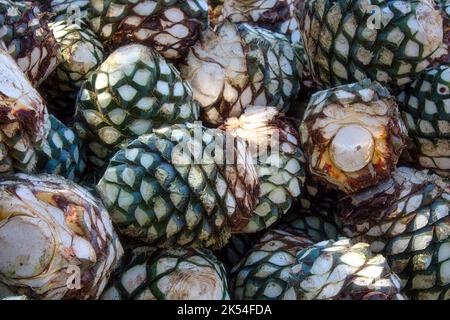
x: 81, y: 54
x: 406, y: 218
x: 277, y: 15
x: 425, y: 108
x: 62, y: 153
x: 133, y: 91
x: 274, y: 143
x: 241, y: 65
x: 290, y: 267
x: 171, y: 274
x: 50, y: 230
x: 23, y: 118
x: 353, y: 135
x: 169, y: 26
x: 309, y: 223
x: 385, y: 40
x: 71, y: 11
x: 25, y: 33
x: 175, y: 187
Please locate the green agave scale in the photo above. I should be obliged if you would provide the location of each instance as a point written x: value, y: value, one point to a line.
x: 407, y: 219
x: 81, y: 54
x: 62, y: 153
x: 425, y: 107
x: 389, y: 41
x: 25, y: 33
x: 132, y: 92
x: 159, y: 192
x: 291, y: 267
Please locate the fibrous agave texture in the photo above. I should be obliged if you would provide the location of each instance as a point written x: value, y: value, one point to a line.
x: 25, y: 33
x: 241, y: 65
x: 81, y: 54
x: 389, y: 41
x: 407, y: 219
x: 169, y: 26
x: 274, y: 143
x: 23, y: 118
x: 56, y: 240
x: 277, y: 15
x: 291, y: 267
x: 171, y: 274
x: 425, y: 108
x: 182, y: 185
x: 132, y: 92
x: 353, y: 135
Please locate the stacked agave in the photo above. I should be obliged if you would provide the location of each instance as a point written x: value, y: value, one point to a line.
x: 388, y: 41
x: 28, y: 39
x: 272, y: 195
x: 292, y: 267
x: 178, y: 185
x: 131, y: 93
x: 241, y: 65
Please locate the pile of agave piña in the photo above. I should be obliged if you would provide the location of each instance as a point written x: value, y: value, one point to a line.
x: 251, y: 149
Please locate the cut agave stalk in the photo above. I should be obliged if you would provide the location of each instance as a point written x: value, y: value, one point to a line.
x: 62, y: 153
x: 241, y: 65
x: 179, y: 186
x: 407, y: 219
x: 23, y: 118
x: 274, y: 143
x: 425, y: 107
x: 385, y: 40
x: 57, y: 241
x: 353, y: 135
x: 172, y: 274
x: 132, y: 92
x: 81, y: 54
x: 169, y: 26
x: 28, y: 39
x: 290, y: 267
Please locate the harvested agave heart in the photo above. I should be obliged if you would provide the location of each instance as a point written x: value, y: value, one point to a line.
x: 274, y: 143
x: 81, y: 54
x: 276, y: 15
x: 425, y: 108
x: 353, y: 135
x: 291, y: 267
x: 168, y: 26
x: 24, y: 122
x: 390, y: 41
x: 407, y: 219
x: 25, y: 33
x: 241, y: 65
x: 181, y: 186
x: 56, y: 240
x: 132, y: 92
x: 172, y: 274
